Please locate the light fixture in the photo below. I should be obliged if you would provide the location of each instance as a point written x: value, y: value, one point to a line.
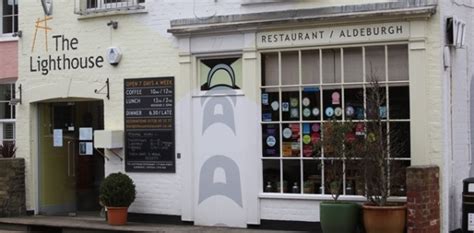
x: 112, y: 23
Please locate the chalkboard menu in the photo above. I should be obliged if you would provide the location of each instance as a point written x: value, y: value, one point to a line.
x: 149, y: 125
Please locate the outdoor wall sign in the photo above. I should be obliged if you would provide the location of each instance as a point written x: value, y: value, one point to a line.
x: 149, y: 125
x: 334, y: 35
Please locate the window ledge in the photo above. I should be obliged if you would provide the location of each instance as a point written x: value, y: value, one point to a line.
x: 319, y: 197
x: 7, y: 38
x: 105, y: 13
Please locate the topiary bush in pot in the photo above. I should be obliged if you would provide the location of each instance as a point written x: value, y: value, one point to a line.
x: 117, y: 193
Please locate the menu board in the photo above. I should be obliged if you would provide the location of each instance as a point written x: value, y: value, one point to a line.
x: 149, y: 125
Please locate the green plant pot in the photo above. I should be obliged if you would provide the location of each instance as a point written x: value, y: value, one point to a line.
x: 339, y: 217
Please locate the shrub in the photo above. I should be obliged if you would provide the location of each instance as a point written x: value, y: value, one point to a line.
x: 117, y: 190
x: 8, y: 150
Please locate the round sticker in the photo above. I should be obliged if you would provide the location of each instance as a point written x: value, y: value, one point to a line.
x: 306, y: 139
x: 329, y: 111
x: 350, y: 111
x: 271, y: 141
x: 275, y: 105
x: 293, y: 102
x: 315, y: 111
x: 306, y: 112
x: 338, y: 111
x: 315, y: 127
x: 287, y: 133
x: 306, y: 101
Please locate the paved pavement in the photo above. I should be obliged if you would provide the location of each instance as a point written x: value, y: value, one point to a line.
x: 94, y: 224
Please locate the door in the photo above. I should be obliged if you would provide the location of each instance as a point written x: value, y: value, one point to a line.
x: 70, y: 171
x: 223, y: 144
x: 57, y: 160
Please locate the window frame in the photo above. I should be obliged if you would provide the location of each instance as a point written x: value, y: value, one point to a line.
x: 15, y: 14
x: 12, y: 119
x: 386, y: 83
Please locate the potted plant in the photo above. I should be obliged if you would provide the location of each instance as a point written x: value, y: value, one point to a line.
x: 117, y: 192
x: 8, y: 150
x: 379, y: 215
x: 339, y: 143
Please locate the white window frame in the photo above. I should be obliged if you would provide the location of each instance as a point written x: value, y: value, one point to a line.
x: 12, y: 119
x: 386, y: 83
x: 13, y: 19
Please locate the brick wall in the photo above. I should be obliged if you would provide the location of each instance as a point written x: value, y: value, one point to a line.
x: 423, y: 199
x: 12, y: 187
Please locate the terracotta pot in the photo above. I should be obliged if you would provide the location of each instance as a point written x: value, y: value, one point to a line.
x: 117, y: 215
x: 384, y: 219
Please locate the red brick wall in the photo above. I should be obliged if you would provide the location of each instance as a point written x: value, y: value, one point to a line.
x: 423, y: 199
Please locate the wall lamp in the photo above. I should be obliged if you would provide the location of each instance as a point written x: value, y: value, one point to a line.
x: 112, y: 23
x: 18, y: 34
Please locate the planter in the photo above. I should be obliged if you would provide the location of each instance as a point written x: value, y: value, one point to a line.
x: 339, y: 217
x: 117, y: 215
x: 386, y: 219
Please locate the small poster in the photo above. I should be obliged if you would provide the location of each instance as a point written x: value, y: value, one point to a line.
x: 265, y: 98
x: 85, y: 134
x: 294, y: 113
x: 470, y: 222
x: 285, y: 106
x: 58, y: 138
x: 85, y: 148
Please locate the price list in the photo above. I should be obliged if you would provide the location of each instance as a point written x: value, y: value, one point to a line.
x: 149, y: 125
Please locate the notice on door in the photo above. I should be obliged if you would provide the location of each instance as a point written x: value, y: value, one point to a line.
x: 149, y: 125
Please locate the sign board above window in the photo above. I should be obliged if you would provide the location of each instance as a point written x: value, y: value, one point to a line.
x: 334, y: 35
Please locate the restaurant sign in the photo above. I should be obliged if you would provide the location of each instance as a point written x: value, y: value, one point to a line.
x: 334, y: 35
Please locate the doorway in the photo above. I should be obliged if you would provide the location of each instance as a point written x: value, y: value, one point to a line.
x: 70, y: 169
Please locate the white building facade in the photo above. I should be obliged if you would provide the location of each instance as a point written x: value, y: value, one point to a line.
x: 250, y: 84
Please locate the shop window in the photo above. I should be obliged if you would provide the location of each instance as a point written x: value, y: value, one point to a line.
x: 9, y: 19
x: 302, y: 90
x: 7, y: 114
x: 220, y: 73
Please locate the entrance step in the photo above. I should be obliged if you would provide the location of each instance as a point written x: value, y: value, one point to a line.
x: 97, y: 224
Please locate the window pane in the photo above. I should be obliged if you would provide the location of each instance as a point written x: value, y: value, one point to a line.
x: 399, y: 139
x: 291, y: 176
x: 311, y: 136
x: 399, y: 102
x: 376, y: 102
x: 8, y: 7
x: 270, y: 69
x: 8, y: 131
x: 375, y: 63
x: 397, y: 62
x: 5, y: 92
x: 398, y: 177
x: 271, y: 140
x: 5, y: 111
x: 7, y: 25
x: 332, y: 102
x: 290, y: 105
x: 270, y: 104
x: 289, y: 68
x: 271, y: 175
x: 353, y: 66
x: 311, y: 100
x: 310, y: 67
x: 219, y: 73
x: 333, y: 171
x: 312, y: 176
x: 331, y: 65
x: 354, y: 102
x: 354, y: 178
x: 291, y: 140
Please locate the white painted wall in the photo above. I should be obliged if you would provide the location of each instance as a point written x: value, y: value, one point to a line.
x: 458, y: 78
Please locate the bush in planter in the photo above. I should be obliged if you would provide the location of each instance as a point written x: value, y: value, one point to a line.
x: 339, y: 142
x: 378, y: 171
x: 117, y: 193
